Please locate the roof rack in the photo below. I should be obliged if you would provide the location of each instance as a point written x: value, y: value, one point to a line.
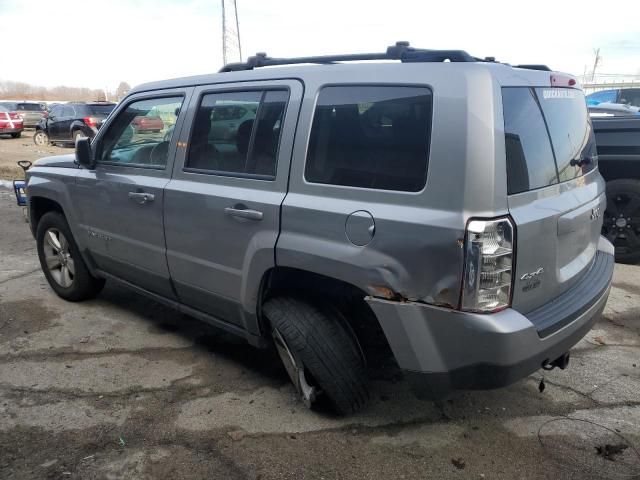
x: 400, y: 51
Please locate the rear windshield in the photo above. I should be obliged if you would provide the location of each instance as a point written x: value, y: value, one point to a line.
x: 548, y: 137
x: 101, y: 109
x: 31, y: 107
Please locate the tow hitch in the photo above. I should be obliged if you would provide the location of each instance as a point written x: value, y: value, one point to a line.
x: 561, y: 362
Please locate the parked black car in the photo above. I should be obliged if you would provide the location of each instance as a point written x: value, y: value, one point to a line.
x: 618, y: 143
x: 67, y: 122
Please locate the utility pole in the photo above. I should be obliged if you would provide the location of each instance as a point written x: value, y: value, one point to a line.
x: 231, y: 48
x: 596, y: 62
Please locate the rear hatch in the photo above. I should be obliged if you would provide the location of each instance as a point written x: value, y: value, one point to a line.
x: 100, y: 111
x: 31, y: 113
x: 556, y: 195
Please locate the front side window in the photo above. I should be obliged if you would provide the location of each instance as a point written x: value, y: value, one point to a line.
x: 237, y: 133
x: 371, y: 137
x: 141, y: 133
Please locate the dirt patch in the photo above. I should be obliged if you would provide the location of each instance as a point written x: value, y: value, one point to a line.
x: 13, y: 150
x: 23, y: 317
x: 628, y: 287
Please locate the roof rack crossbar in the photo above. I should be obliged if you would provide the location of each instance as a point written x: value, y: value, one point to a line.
x: 400, y: 51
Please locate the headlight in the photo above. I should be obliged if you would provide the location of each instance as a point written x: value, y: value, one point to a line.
x: 488, y: 265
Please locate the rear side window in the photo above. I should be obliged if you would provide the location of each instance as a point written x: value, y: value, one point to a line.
x: 237, y: 133
x: 371, y: 137
x: 571, y: 134
x: 530, y: 162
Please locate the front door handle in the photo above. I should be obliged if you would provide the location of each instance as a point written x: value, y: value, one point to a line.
x: 243, y: 213
x: 141, y: 197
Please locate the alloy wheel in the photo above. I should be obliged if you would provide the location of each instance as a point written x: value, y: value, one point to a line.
x: 58, y: 258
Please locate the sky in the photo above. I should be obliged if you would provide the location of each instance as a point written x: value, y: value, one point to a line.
x: 98, y: 43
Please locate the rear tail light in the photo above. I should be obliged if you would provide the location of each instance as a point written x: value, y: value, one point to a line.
x: 488, y: 267
x: 14, y: 116
x: 91, y: 121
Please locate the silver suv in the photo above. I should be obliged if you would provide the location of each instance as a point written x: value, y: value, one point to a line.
x: 450, y: 203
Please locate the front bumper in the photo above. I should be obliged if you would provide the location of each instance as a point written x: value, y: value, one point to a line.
x: 442, y: 350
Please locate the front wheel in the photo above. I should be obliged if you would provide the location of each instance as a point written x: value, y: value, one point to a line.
x: 319, y: 353
x: 61, y: 262
x: 621, y: 223
x: 40, y: 138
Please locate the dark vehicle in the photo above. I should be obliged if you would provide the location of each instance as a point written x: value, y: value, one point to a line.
x: 70, y: 121
x: 10, y: 123
x: 618, y: 143
x: 625, y: 96
x: 30, y: 112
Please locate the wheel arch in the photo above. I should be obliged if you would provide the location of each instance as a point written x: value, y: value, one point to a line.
x: 328, y: 291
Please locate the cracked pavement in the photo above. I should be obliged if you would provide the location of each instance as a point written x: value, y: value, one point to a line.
x: 121, y: 387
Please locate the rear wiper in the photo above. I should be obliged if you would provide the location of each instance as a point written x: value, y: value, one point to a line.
x: 583, y: 161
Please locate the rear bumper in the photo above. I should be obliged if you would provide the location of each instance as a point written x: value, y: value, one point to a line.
x: 442, y: 350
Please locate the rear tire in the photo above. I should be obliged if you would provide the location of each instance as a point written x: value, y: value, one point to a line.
x: 61, y: 251
x: 16, y: 135
x: 621, y: 223
x: 319, y: 341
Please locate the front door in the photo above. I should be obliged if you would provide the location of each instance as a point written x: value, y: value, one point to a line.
x: 121, y: 200
x: 222, y: 207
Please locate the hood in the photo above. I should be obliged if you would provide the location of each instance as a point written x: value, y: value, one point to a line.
x: 65, y: 161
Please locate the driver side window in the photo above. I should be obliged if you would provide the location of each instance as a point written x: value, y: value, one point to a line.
x: 141, y: 133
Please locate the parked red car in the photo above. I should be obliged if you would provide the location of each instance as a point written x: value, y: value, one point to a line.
x: 149, y: 123
x: 10, y: 123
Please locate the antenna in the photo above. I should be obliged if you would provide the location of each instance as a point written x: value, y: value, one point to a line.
x: 231, y: 49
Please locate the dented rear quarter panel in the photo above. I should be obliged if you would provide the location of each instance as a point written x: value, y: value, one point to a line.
x: 416, y: 252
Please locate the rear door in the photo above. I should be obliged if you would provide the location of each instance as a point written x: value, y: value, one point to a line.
x: 556, y: 195
x: 222, y: 206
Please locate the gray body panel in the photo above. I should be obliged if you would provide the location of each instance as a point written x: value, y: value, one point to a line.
x: 406, y: 246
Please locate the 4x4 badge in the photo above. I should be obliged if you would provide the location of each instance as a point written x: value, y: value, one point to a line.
x: 595, y: 213
x: 530, y: 275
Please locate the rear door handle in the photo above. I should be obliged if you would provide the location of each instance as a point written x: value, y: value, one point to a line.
x: 141, y: 197
x: 243, y: 213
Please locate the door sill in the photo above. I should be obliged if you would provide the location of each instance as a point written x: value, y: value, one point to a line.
x: 255, y: 340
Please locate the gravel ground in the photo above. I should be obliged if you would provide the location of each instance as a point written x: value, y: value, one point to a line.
x: 122, y: 388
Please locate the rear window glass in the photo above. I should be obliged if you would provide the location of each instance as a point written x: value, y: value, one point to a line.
x: 571, y: 134
x: 101, y: 109
x: 530, y: 162
x: 371, y: 137
x: 31, y: 107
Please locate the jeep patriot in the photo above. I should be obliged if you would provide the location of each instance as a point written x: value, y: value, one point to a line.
x: 450, y: 203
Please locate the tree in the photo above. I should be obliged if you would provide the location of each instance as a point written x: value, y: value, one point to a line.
x: 122, y: 90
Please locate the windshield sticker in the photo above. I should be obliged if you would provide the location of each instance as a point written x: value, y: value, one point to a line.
x: 551, y: 93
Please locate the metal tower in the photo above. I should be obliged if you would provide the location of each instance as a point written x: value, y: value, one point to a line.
x: 231, y: 49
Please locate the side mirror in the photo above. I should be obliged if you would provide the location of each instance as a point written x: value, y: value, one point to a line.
x: 84, y: 155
